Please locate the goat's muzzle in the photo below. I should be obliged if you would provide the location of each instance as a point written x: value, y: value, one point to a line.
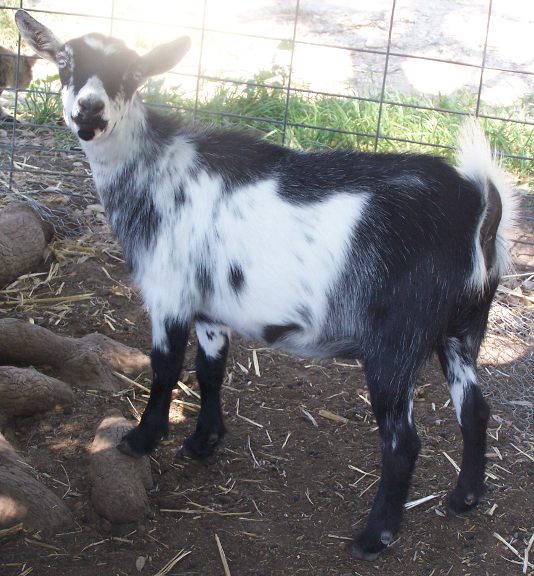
x: 88, y: 124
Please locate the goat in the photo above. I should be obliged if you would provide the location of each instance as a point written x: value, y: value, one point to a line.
x: 381, y: 257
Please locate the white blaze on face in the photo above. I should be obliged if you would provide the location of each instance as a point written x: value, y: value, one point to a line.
x: 96, y: 43
x: 68, y: 98
x: 92, y: 90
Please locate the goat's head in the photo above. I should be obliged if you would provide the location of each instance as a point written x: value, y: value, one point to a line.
x: 99, y: 75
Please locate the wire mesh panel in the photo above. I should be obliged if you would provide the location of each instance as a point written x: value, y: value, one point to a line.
x: 507, y: 356
x: 378, y: 66
x: 387, y: 75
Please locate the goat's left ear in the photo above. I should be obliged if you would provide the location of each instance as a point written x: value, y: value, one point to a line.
x: 161, y: 59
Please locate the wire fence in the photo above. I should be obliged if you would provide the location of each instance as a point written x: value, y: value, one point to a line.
x: 314, y: 63
x: 111, y: 16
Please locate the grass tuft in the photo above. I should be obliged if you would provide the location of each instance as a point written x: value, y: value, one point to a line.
x: 42, y: 104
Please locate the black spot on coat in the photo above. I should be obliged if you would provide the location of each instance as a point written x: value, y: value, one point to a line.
x: 274, y: 332
x: 237, y: 278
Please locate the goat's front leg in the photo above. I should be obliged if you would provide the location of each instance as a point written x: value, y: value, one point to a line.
x: 168, y: 350
x: 213, y: 342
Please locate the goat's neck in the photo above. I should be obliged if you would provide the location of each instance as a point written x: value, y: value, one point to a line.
x: 117, y: 149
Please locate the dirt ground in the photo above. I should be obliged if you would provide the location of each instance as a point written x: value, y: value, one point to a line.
x: 282, y: 494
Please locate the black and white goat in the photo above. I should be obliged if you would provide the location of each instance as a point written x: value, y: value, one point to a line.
x: 381, y: 257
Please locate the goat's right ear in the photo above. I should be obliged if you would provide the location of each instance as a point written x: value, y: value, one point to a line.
x: 39, y: 37
x: 161, y: 59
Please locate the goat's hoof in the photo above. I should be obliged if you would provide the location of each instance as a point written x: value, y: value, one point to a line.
x: 199, y: 447
x: 136, y: 444
x: 364, y: 547
x: 124, y: 447
x: 461, y: 502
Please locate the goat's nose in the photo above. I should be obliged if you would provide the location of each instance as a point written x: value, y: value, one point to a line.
x: 90, y: 106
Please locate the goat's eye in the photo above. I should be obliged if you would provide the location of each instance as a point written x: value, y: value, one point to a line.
x: 62, y: 63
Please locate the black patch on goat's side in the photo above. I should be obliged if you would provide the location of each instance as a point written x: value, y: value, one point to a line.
x: 132, y: 214
x: 179, y: 196
x: 236, y: 277
x: 274, y: 332
x: 316, y: 176
x: 238, y: 158
x: 204, y: 280
x: 409, y: 259
x: 162, y: 128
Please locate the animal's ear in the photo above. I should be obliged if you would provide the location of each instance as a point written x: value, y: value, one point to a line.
x: 40, y: 38
x: 159, y: 60
x: 31, y: 60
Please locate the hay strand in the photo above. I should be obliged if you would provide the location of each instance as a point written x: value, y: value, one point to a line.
x: 526, y: 562
x: 333, y: 417
x: 419, y: 501
x: 310, y: 417
x: 223, y: 557
x: 172, y: 562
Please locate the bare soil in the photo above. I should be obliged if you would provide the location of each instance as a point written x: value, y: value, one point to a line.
x: 282, y: 494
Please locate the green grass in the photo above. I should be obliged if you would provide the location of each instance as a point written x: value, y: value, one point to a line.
x: 42, y: 104
x: 240, y: 106
x: 262, y: 109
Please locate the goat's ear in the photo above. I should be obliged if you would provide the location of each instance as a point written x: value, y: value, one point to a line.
x: 40, y: 38
x: 161, y: 59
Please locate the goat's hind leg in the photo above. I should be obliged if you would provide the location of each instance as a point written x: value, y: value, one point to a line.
x: 391, y: 398
x: 168, y: 351
x: 457, y: 355
x: 213, y: 343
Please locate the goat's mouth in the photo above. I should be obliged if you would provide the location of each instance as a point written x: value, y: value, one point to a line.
x: 88, y: 128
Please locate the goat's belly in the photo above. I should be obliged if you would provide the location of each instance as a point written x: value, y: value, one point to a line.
x: 309, y: 345
x: 298, y: 327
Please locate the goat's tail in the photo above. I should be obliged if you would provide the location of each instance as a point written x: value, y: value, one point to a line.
x: 476, y: 162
